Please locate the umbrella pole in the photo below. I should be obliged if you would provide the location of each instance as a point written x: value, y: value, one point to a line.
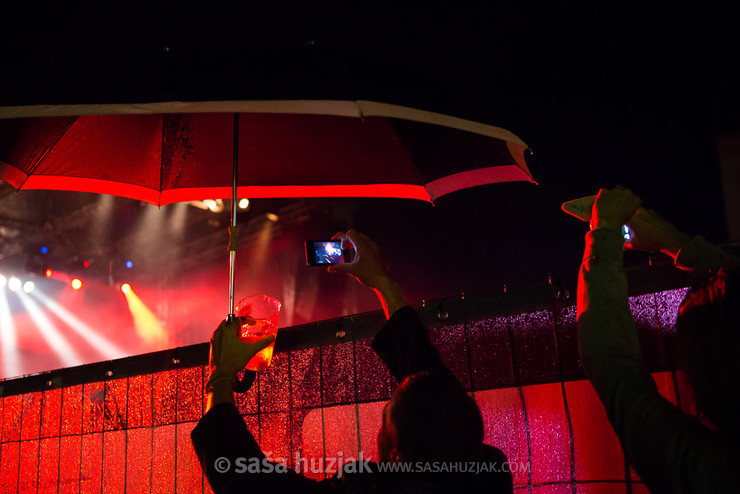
x: 233, y: 229
x: 241, y: 385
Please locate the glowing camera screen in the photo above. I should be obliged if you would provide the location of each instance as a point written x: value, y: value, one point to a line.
x: 328, y: 252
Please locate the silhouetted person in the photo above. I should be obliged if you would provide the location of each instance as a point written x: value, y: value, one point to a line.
x: 429, y: 424
x: 671, y: 451
x: 430, y: 417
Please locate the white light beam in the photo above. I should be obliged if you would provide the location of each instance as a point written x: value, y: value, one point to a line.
x: 50, y: 332
x: 108, y: 349
x: 8, y: 338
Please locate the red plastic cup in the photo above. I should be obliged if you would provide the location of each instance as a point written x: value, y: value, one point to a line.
x: 265, y: 311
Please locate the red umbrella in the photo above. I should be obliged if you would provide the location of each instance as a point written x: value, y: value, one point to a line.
x: 170, y: 152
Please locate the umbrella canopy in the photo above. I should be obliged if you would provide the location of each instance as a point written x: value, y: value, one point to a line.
x: 163, y: 153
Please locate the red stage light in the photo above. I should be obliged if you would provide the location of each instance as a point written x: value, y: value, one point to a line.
x: 86, y: 264
x: 48, y: 273
x: 125, y: 288
x: 76, y: 284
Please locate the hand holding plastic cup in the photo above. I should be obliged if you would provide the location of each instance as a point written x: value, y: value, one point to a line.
x: 265, y: 311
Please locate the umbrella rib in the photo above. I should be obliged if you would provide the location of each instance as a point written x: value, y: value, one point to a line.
x: 360, y: 113
x: 410, y: 160
x: 36, y: 164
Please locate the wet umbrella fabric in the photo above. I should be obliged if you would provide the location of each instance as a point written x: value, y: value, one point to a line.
x: 171, y: 152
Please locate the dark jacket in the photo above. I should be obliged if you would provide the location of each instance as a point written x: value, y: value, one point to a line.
x: 404, y: 345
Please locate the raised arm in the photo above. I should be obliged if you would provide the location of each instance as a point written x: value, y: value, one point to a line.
x: 654, y: 233
x: 671, y: 451
x: 229, y: 455
x: 369, y: 269
x: 403, y: 343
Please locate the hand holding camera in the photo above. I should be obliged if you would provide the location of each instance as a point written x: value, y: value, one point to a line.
x: 643, y: 228
x: 367, y: 265
x: 369, y: 269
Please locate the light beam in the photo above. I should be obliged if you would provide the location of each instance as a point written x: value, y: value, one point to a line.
x: 51, y: 334
x: 146, y: 323
x: 104, y: 346
x: 8, y: 337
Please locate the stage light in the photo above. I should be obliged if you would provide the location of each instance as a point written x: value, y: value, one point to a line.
x: 44, y: 249
x: 28, y: 286
x: 48, y: 273
x: 14, y: 284
x: 129, y: 264
x: 243, y: 203
x: 8, y: 339
x: 272, y: 216
x: 86, y: 264
x: 146, y: 323
x: 215, y: 205
x: 3, y: 281
x: 76, y: 284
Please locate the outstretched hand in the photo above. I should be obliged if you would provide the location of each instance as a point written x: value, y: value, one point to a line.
x: 368, y: 266
x: 370, y: 270
x: 613, y: 208
x: 229, y: 354
x: 650, y: 231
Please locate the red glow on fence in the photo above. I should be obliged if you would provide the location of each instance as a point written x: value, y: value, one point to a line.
x: 133, y: 433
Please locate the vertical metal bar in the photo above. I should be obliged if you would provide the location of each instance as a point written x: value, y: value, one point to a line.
x: 232, y: 253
